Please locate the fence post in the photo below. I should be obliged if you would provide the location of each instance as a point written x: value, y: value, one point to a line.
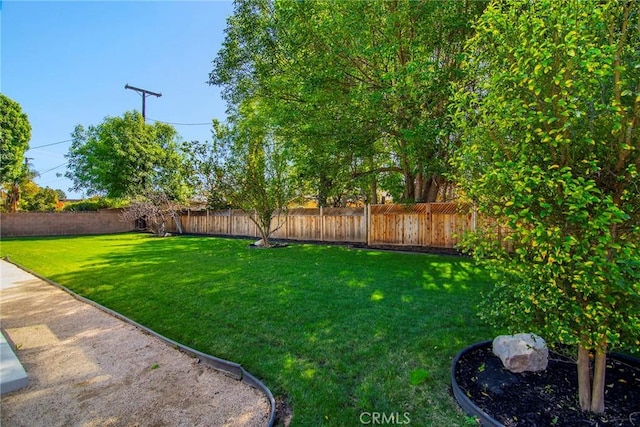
x: 321, y: 225
x: 429, y: 222
x: 286, y: 224
x: 367, y: 223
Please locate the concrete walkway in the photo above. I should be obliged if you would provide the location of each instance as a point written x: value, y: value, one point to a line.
x: 12, y: 374
x: 88, y: 368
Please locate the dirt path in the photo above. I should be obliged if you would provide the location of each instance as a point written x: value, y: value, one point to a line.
x: 87, y: 368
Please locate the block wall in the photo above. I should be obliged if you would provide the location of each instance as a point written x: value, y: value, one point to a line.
x: 105, y: 221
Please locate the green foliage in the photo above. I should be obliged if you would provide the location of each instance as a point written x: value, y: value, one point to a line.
x: 38, y: 199
x: 124, y: 156
x: 247, y: 168
x: 93, y: 204
x: 26, y: 195
x: 15, y: 133
x: 359, y: 90
x: 206, y: 162
x: 550, y: 147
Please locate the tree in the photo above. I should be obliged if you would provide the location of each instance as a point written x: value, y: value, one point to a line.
x: 125, y: 157
x: 395, y: 61
x: 359, y: 88
x: 38, y: 199
x: 24, y: 194
x: 550, y: 150
x: 247, y: 168
x: 21, y: 187
x: 15, y: 133
x: 207, y: 162
x: 155, y: 208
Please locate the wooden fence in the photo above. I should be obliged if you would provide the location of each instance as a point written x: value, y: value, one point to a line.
x: 425, y: 224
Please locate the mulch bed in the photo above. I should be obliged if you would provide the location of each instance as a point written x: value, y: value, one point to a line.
x: 548, y: 398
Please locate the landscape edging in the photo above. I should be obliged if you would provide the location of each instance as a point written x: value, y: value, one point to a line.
x: 231, y: 369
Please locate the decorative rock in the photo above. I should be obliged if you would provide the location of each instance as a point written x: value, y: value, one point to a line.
x: 522, y: 352
x: 259, y: 243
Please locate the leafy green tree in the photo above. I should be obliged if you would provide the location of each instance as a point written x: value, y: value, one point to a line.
x: 15, y: 133
x: 359, y: 88
x: 38, y: 199
x: 124, y: 157
x: 550, y: 150
x: 18, y: 188
x: 94, y: 203
x: 248, y: 168
x: 206, y: 161
x: 395, y: 60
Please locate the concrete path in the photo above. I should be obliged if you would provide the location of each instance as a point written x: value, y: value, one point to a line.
x: 87, y: 368
x: 12, y: 374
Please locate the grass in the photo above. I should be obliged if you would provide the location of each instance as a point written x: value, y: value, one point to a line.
x: 335, y: 332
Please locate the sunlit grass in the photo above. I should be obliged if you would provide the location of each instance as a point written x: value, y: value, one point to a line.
x: 335, y: 331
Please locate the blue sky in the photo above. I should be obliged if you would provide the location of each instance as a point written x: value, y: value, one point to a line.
x: 67, y: 63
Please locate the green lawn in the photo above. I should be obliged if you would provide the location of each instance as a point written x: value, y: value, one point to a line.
x: 335, y: 331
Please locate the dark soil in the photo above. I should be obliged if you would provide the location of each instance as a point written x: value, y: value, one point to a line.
x: 548, y: 398
x: 273, y: 245
x: 284, y: 413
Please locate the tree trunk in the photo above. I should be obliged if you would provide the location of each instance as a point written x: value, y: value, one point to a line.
x: 265, y: 239
x: 427, y: 188
x: 584, y: 378
x: 591, y: 394
x: 176, y: 219
x: 420, y: 188
x: 263, y: 222
x: 13, y: 197
x: 431, y: 193
x: 597, y: 393
x: 373, y: 198
x: 324, y: 186
x: 409, y: 187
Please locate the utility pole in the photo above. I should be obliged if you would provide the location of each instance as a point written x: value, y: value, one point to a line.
x: 144, y: 94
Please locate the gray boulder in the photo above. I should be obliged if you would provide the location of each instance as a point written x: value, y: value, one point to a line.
x: 525, y: 352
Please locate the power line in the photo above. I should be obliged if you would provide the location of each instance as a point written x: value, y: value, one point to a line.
x: 181, y: 124
x: 155, y: 120
x: 52, y: 169
x: 53, y: 143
